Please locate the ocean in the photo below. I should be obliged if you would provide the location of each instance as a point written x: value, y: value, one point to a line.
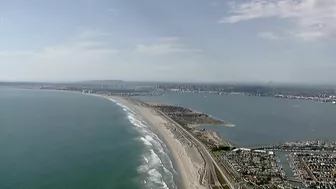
x: 70, y: 140
x: 261, y: 120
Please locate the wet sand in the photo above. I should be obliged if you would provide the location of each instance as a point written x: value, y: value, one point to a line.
x: 188, y: 161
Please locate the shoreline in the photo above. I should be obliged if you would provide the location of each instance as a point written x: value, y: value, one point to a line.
x: 186, y: 159
x: 133, y: 105
x: 230, y: 125
x: 211, y: 120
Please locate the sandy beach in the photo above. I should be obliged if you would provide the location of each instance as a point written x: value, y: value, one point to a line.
x: 187, y: 159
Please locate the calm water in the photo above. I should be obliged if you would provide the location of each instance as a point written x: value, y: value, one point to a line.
x: 64, y: 140
x: 262, y: 120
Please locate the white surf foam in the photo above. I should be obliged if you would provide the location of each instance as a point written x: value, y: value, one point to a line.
x: 156, y: 177
x: 155, y: 158
x: 145, y: 141
x: 154, y: 139
x: 134, y: 121
x: 146, y: 160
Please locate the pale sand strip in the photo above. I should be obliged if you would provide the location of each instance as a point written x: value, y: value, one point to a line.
x: 186, y: 157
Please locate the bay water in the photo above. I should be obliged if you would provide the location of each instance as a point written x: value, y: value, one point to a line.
x: 261, y: 120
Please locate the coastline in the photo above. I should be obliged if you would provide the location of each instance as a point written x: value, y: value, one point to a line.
x: 217, y: 125
x: 189, y: 163
x: 149, y: 118
x: 186, y: 157
x: 209, y: 120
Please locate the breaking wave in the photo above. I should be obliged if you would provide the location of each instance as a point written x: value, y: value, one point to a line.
x: 157, y: 166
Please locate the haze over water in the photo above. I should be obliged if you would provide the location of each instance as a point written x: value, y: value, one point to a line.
x: 261, y: 120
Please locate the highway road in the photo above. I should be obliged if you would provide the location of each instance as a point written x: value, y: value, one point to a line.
x: 210, y: 161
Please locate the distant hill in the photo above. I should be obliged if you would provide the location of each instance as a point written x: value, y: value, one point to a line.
x: 102, y: 82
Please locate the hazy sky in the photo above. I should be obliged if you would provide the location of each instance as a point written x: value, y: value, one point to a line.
x: 168, y: 40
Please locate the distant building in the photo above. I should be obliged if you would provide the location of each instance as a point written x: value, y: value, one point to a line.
x: 86, y: 91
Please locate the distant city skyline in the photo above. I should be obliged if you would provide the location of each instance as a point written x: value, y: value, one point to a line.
x: 245, y: 41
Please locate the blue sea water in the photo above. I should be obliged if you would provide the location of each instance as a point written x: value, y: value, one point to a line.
x: 70, y: 140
